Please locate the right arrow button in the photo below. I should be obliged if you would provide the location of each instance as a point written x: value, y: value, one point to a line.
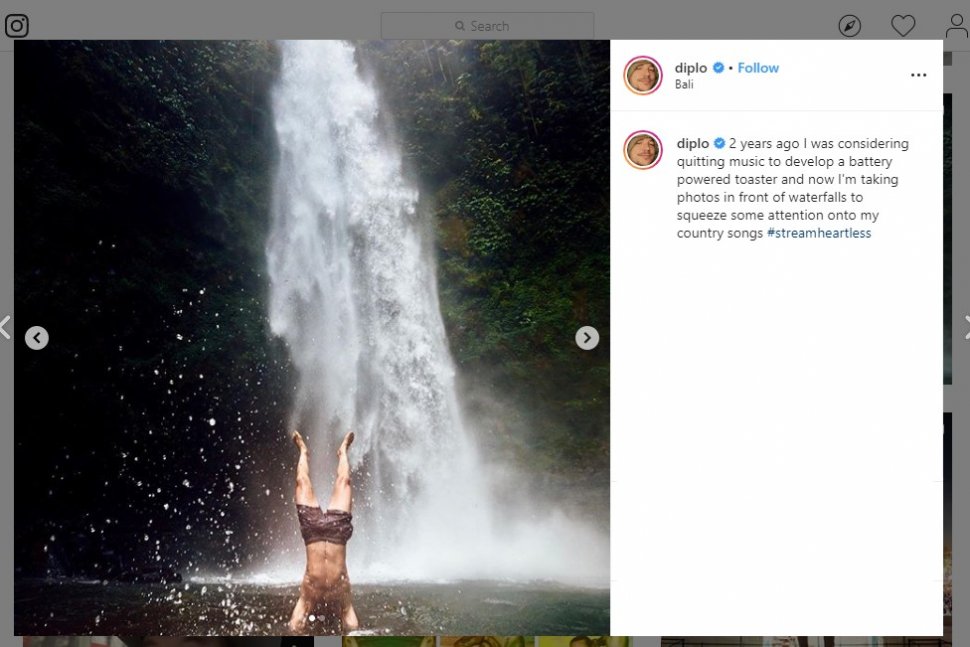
x: 587, y: 338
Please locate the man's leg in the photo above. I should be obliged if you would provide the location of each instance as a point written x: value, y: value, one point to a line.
x: 342, y: 497
x: 298, y: 619
x: 304, y: 496
x: 349, y: 616
x: 304, y: 488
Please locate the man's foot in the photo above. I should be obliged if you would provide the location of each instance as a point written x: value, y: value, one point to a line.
x: 345, y: 445
x: 298, y: 441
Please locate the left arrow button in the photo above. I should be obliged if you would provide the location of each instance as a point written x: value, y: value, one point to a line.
x: 37, y: 338
x: 3, y: 323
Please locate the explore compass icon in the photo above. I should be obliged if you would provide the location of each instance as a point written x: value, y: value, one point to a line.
x: 850, y: 25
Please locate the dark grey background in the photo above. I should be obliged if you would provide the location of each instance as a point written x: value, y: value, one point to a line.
x: 362, y: 19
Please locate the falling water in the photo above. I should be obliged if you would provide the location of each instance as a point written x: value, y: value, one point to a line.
x: 353, y: 294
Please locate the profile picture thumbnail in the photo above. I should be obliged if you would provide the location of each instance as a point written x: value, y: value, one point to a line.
x: 642, y: 149
x: 643, y: 75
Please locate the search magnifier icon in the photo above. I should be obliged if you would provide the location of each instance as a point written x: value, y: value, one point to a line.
x: 460, y: 25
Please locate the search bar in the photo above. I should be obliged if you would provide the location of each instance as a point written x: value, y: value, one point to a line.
x: 504, y: 25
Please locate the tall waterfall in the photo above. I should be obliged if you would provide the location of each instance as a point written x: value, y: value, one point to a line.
x: 353, y: 294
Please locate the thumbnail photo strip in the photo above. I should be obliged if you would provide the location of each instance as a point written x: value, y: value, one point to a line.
x: 801, y: 641
x: 312, y: 311
x: 165, y: 641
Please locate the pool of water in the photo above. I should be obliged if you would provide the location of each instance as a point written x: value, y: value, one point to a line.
x: 46, y: 607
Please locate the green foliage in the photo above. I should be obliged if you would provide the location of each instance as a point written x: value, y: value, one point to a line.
x: 161, y: 156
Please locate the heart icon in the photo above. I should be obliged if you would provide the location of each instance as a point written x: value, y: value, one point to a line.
x: 903, y: 24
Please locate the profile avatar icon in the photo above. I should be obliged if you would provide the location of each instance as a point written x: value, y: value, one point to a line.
x: 959, y: 31
x: 642, y: 150
x: 642, y: 75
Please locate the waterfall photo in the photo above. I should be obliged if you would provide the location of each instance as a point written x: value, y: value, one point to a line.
x: 312, y: 310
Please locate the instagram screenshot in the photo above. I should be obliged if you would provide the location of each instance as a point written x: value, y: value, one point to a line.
x: 386, y: 326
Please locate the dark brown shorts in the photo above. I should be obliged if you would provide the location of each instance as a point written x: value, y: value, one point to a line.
x: 333, y: 526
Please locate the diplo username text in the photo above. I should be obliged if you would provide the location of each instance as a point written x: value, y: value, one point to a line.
x: 741, y: 67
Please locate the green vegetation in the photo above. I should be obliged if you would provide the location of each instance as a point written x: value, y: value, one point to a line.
x: 144, y: 176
